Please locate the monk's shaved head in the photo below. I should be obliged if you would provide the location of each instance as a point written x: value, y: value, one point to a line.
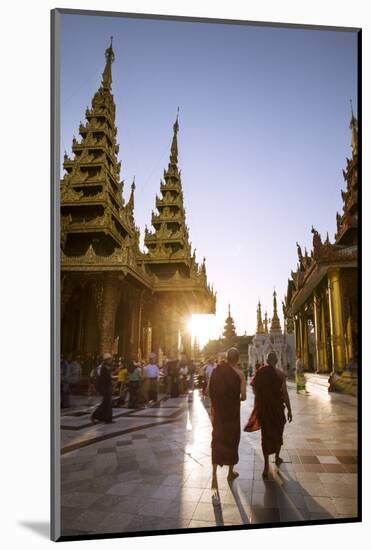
x: 233, y: 355
x: 272, y: 359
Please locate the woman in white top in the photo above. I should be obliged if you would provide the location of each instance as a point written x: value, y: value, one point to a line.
x: 183, y: 372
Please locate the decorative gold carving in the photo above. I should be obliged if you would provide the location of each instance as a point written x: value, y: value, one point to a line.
x: 97, y: 290
x: 68, y: 194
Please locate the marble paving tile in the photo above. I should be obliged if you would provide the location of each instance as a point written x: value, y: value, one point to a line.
x: 204, y: 512
x: 156, y: 507
x: 160, y: 477
x: 319, y: 505
x: 346, y: 506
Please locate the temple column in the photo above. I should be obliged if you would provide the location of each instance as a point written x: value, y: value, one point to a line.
x: 134, y: 328
x: 336, y: 321
x: 323, y: 333
x: 139, y: 328
x: 349, y: 341
x: 297, y: 335
x: 304, y: 335
x: 109, y: 305
x: 317, y: 329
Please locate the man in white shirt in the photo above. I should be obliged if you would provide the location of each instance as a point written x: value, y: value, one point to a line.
x: 152, y: 372
x: 207, y: 371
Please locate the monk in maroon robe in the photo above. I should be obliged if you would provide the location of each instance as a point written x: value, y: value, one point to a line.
x: 271, y: 396
x: 227, y: 388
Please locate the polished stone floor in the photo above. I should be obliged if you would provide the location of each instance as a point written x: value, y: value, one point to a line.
x: 151, y: 470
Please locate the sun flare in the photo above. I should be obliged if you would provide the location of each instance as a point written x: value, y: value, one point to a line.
x: 203, y: 328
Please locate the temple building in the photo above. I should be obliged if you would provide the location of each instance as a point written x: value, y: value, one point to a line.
x: 115, y: 297
x: 272, y: 339
x: 322, y: 292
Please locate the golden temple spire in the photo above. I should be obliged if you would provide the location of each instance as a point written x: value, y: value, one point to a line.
x: 107, y: 73
x: 174, y: 144
x: 131, y: 199
x: 275, y: 324
x: 266, y: 323
x: 354, y: 127
x: 259, y: 322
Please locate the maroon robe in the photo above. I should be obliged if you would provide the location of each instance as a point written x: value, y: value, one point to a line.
x: 269, y: 408
x: 224, y: 391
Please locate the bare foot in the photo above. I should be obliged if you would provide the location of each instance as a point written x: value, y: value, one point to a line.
x: 232, y: 475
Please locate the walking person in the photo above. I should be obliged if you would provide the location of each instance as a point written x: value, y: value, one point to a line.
x: 173, y: 369
x: 152, y: 374
x: 92, y: 386
x: 165, y: 376
x: 122, y: 376
x: 134, y: 380
x: 183, y: 373
x: 299, y: 375
x: 191, y: 380
x: 103, y: 413
x: 271, y: 397
x: 143, y: 393
x: 227, y: 388
x: 207, y: 371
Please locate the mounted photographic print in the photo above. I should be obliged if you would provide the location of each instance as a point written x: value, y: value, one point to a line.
x: 206, y: 311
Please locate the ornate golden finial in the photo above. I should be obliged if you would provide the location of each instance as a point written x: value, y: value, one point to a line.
x: 354, y: 128
x: 130, y: 204
x: 174, y: 144
x: 229, y: 310
x: 107, y: 74
x: 259, y: 322
x: 275, y: 324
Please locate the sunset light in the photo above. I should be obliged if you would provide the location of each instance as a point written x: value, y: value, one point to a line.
x: 203, y: 328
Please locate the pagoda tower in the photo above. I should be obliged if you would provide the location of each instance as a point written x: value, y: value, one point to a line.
x: 259, y: 322
x: 347, y: 222
x: 172, y: 265
x: 169, y: 242
x: 275, y: 324
x: 93, y: 214
x: 114, y: 297
x: 229, y: 328
x: 100, y: 311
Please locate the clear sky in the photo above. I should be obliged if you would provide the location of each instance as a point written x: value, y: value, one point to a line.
x: 264, y: 135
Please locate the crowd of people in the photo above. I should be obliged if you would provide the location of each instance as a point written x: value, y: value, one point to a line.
x: 125, y: 382
x: 134, y: 384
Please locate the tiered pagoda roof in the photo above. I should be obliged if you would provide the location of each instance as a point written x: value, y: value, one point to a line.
x: 229, y: 327
x: 342, y: 253
x: 169, y: 241
x: 347, y: 222
x: 275, y: 323
x: 93, y: 211
x: 98, y: 231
